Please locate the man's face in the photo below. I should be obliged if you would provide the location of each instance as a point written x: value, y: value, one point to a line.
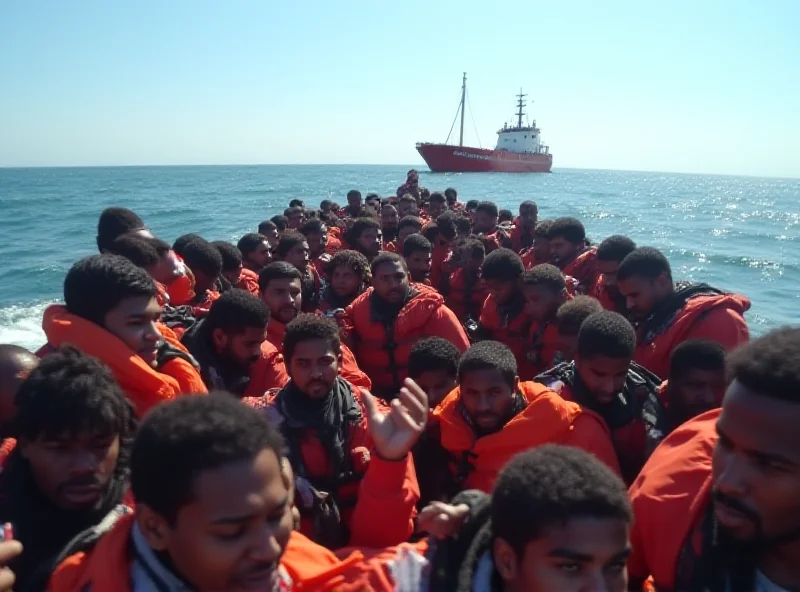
x: 502, y: 290
x: 373, y: 206
x: 582, y: 555
x: 240, y: 350
x: 233, y: 532
x: 608, y: 273
x: 528, y: 215
x: 563, y: 252
x: 541, y: 248
x: 298, y: 256
x: 403, y: 234
x: 391, y: 282
x: 262, y: 256
x: 370, y: 242
x: 696, y: 392
x: 296, y: 220
x: 389, y: 218
x: 603, y: 376
x: 133, y: 321
x: 487, y: 398
x: 232, y: 275
x: 72, y: 470
x: 317, y: 242
x: 167, y: 270
x: 484, y: 223
x: 273, y: 238
x: 354, y: 201
x: 756, y: 469
x: 542, y: 303
x: 436, y: 209
x: 283, y: 298
x: 419, y: 265
x: 406, y: 208
x: 642, y: 295
x: 345, y: 281
x: 437, y: 384
x: 314, y: 367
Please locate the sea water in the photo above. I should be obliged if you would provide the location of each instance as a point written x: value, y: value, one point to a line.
x: 740, y: 234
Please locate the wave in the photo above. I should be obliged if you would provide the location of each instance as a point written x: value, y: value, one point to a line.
x: 22, y: 325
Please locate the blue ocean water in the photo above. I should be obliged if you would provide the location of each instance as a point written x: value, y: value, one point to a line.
x: 737, y: 233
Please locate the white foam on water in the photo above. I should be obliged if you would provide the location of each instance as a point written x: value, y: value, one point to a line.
x: 22, y: 325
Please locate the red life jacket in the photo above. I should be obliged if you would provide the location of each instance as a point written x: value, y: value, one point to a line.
x: 521, y: 237
x: 248, y: 280
x: 584, y: 269
x: 513, y: 332
x: 466, y: 298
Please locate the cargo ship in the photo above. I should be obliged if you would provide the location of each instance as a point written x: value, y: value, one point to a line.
x: 519, y: 148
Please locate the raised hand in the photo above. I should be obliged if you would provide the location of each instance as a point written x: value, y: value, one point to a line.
x: 8, y: 550
x: 442, y: 520
x: 396, y: 432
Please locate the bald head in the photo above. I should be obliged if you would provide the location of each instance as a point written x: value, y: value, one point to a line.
x: 15, y: 365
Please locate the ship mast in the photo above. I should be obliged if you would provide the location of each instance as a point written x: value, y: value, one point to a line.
x: 520, y: 105
x: 463, y: 103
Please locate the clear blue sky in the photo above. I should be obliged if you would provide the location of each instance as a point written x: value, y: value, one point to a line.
x: 692, y: 86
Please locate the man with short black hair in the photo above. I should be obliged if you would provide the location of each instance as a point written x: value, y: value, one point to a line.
x: 389, y: 222
x: 433, y: 365
x: 68, y: 473
x: 117, y: 222
x: 486, y: 222
x: 316, y: 233
x: 295, y: 216
x: 571, y: 254
x: 437, y: 205
x: 407, y: 206
x: 417, y: 253
x: 365, y: 237
x: 293, y: 248
x: 205, y: 262
x: 151, y: 254
x: 269, y: 230
x: 545, y: 290
x: 610, y: 254
x: 604, y: 379
x: 569, y: 318
x: 540, y: 250
x: 667, y: 314
x: 406, y: 227
x: 354, y: 204
x: 231, y: 264
x: 524, y: 225
x: 256, y: 251
x: 464, y: 290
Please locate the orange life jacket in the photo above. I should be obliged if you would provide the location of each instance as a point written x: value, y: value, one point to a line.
x: 546, y: 418
x: 463, y: 298
x: 601, y: 294
x: 521, y: 237
x: 181, y: 290
x: 202, y: 304
x: 334, y: 245
x: 584, y: 269
x: 248, y: 280
x: 542, y: 348
x: 513, y: 332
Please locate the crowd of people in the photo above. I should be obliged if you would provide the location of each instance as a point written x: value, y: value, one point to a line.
x: 401, y: 393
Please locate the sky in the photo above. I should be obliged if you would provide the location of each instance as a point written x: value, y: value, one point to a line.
x: 699, y: 86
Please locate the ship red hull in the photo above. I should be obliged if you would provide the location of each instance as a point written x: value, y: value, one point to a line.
x: 445, y: 158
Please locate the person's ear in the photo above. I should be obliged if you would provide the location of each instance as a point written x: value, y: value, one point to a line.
x: 516, y: 384
x: 219, y: 338
x: 505, y: 560
x: 154, y: 527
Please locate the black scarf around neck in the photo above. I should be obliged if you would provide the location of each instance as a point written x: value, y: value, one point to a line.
x: 383, y: 311
x: 335, y: 301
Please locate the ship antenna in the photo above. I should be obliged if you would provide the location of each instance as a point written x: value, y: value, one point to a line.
x: 520, y: 105
x: 463, y: 100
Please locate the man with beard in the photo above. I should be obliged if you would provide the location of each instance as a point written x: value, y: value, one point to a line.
x: 667, y: 314
x: 717, y: 506
x: 602, y: 378
x: 354, y: 204
x: 384, y: 322
x: 485, y: 223
x: 389, y: 221
x: 437, y: 205
x: 492, y: 415
x: 417, y: 253
x: 349, y: 276
x: 524, y: 225
x: 610, y: 254
x: 365, y: 237
x: 316, y: 233
x: 405, y: 228
x: 16, y: 364
x: 231, y: 347
x: 354, y: 487
x: 568, y: 249
x: 69, y: 470
x: 280, y: 290
x: 256, y: 250
x: 293, y: 248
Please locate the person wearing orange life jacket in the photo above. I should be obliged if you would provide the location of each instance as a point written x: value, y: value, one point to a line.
x: 350, y: 276
x: 68, y: 473
x: 503, y: 317
x: 524, y: 225
x: 231, y: 347
x: 116, y: 222
x: 214, y: 512
x: 256, y: 251
x: 443, y: 246
x: 16, y: 363
x: 569, y: 318
x: 417, y: 254
x: 111, y: 313
x: 667, y: 314
x: 716, y: 506
x: 389, y: 222
x: 540, y: 251
x: 293, y: 249
x: 610, y: 254
x: 354, y: 204
x: 408, y: 206
x: 696, y: 382
x: 602, y: 378
x: 492, y: 415
x: 353, y: 486
x: 571, y: 254
x: 451, y: 195
x: 295, y: 217
x: 365, y: 237
x: 231, y: 266
x: 485, y: 222
x: 406, y: 227
x: 281, y: 290
x: 316, y: 233
x: 206, y: 264
x: 464, y: 290
x: 384, y: 322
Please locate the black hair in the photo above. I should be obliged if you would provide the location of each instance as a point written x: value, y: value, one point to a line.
x: 410, y: 221
x: 487, y: 207
x: 312, y: 226
x: 325, y: 203
x: 438, y: 198
x: 615, y: 248
x: 98, y: 283
x: 572, y: 313
x: 372, y: 197
x: 277, y: 270
x: 644, y: 262
x: 431, y: 232
x: 250, y: 242
x: 305, y: 327
x: 181, y: 439
x: 358, y: 228
x: 447, y: 224
x: 292, y: 211
x: 451, y: 194
x: 289, y: 240
x: 543, y: 228
x: 353, y: 193
x: 489, y: 355
x: 570, y: 229
x: 139, y: 250
x: 70, y: 392
x: 528, y: 204
x: 236, y: 311
x: 472, y: 204
x: 505, y: 216
x: 183, y: 241
x: 769, y: 365
x: 475, y: 248
x: 502, y: 264
x: 386, y: 257
x: 354, y: 260
x: 546, y: 275
x: 280, y: 222
x: 606, y: 333
x: 433, y: 354
x: 266, y: 226
x: 297, y: 203
x: 202, y: 256
x: 549, y: 486
x: 463, y: 225
x: 408, y: 198
x: 700, y: 354
x: 115, y: 222
x: 414, y: 243
x: 231, y: 255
